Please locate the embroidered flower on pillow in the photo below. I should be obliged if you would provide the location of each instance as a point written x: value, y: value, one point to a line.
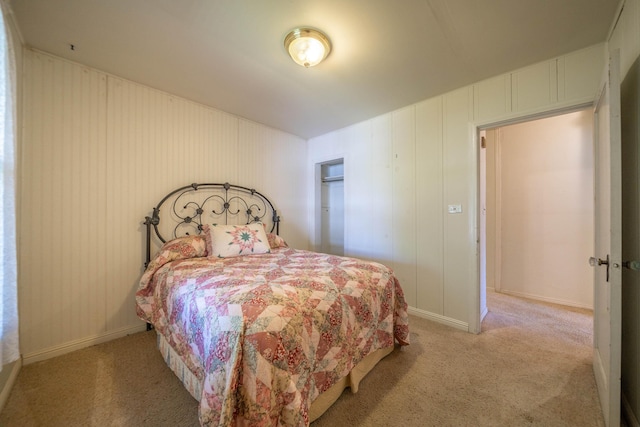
x: 245, y: 238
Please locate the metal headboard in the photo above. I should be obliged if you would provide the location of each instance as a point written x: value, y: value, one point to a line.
x: 192, y: 206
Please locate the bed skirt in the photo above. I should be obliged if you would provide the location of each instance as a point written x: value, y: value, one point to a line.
x: 318, y: 406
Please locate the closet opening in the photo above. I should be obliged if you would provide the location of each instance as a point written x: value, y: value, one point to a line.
x: 330, y: 200
x: 536, y: 209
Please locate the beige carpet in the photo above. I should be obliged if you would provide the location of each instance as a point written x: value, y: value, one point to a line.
x: 531, y: 366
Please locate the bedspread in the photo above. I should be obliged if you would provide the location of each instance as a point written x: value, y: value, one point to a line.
x: 266, y: 334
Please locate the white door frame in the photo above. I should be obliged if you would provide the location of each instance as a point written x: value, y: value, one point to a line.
x: 475, y: 297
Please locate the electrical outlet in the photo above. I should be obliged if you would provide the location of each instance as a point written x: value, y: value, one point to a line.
x: 453, y: 209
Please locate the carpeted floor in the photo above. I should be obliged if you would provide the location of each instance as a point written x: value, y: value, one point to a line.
x: 531, y: 366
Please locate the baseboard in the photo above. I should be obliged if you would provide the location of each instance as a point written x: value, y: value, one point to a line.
x: 628, y: 414
x: 484, y: 314
x: 438, y: 318
x: 545, y: 299
x: 8, y: 385
x: 79, y: 344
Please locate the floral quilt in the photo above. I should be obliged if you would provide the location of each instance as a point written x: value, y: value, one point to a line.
x: 266, y: 334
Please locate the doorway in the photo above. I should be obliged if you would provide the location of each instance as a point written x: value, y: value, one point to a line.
x: 536, y: 209
x: 331, y: 192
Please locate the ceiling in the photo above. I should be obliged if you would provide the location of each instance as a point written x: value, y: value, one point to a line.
x: 229, y: 54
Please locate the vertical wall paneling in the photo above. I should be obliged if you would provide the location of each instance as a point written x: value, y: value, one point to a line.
x: 33, y: 87
x: 429, y: 206
x: 492, y: 97
x: 267, y: 160
x: 358, y: 191
x: 98, y: 153
x: 127, y: 169
x: 534, y: 87
x: 64, y: 137
x: 446, y: 294
x: 457, y: 113
x: 575, y: 77
x: 252, y: 152
x: 561, y: 78
x: 403, y: 201
x: 381, y: 189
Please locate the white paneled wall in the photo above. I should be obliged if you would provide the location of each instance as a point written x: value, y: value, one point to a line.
x: 458, y: 168
x: 429, y: 207
x: 274, y: 163
x: 403, y: 201
x: 63, y: 205
x: 369, y: 217
x: 432, y: 153
x: 98, y: 153
x: 534, y: 87
x: 492, y: 98
x: 575, y: 72
x: 359, y: 210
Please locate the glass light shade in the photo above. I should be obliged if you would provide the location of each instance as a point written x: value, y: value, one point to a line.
x: 306, y: 46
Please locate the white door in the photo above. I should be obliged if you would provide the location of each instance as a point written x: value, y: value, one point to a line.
x: 608, y: 245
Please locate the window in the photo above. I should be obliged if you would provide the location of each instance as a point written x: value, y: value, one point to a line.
x: 9, y: 347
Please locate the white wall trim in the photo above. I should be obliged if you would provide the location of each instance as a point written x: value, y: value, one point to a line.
x: 439, y: 318
x: 484, y: 314
x: 70, y: 346
x: 547, y: 299
x: 8, y: 386
x: 474, y: 209
x: 498, y: 212
x: 539, y: 113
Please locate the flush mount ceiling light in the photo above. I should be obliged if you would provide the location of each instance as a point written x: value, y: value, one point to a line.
x: 307, y: 46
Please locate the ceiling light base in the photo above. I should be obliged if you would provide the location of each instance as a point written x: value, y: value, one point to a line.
x: 307, y: 46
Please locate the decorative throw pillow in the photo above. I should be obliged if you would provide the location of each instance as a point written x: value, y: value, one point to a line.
x: 235, y: 240
x: 184, y: 247
x: 179, y: 248
x: 276, y: 241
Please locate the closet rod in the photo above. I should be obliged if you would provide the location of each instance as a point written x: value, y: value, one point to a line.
x: 333, y: 178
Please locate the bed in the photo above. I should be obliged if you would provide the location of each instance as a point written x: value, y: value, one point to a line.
x: 260, y: 333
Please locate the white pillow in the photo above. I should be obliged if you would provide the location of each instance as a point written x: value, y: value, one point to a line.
x: 235, y: 240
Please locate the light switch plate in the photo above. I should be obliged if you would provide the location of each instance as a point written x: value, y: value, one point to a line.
x: 453, y: 209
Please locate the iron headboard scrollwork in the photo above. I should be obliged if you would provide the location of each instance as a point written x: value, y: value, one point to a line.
x: 192, y: 206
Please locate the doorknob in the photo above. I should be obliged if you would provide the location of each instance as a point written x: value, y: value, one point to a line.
x: 594, y: 262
